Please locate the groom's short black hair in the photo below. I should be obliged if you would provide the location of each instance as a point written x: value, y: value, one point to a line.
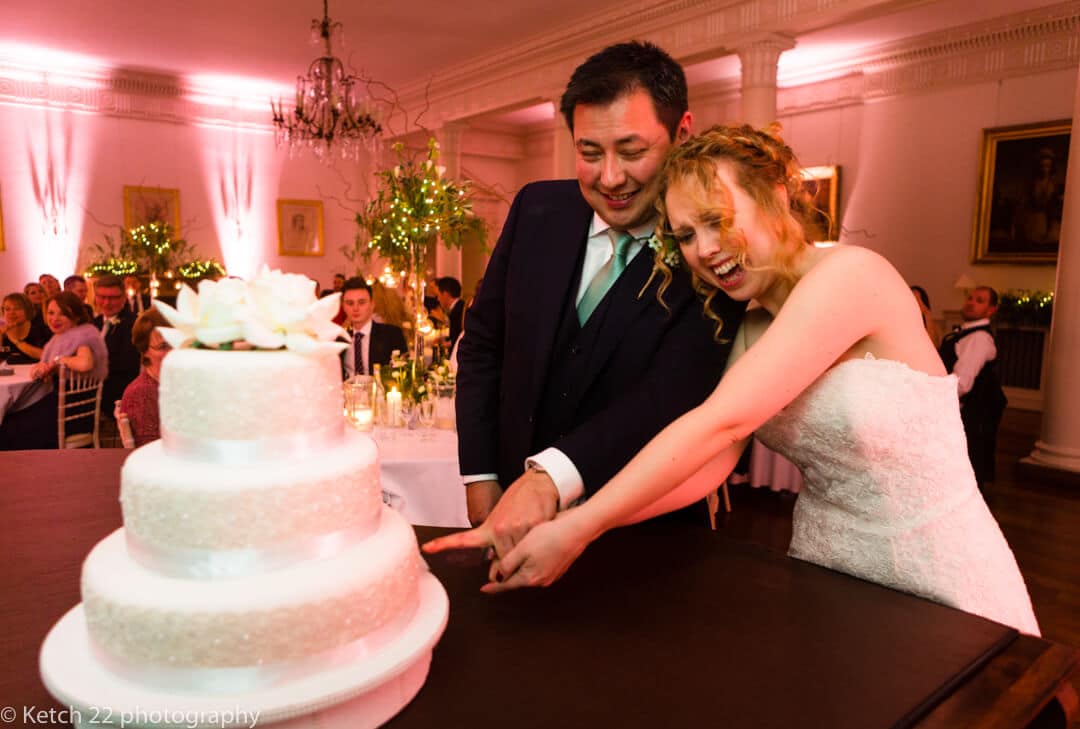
x: 623, y: 68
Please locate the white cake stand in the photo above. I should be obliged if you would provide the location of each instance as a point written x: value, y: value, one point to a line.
x: 361, y: 695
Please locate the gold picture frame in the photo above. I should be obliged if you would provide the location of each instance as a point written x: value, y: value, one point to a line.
x: 823, y: 184
x: 300, y: 227
x: 144, y: 205
x: 1021, y: 193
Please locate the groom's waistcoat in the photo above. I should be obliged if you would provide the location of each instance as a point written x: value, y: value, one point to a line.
x: 573, y: 349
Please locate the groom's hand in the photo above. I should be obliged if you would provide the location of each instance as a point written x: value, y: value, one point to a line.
x: 531, y: 500
x: 481, y: 497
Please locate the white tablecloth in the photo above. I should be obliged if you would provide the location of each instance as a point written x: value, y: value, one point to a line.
x: 420, y: 475
x: 11, y: 386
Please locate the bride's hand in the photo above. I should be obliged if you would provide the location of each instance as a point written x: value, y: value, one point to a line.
x: 542, y: 556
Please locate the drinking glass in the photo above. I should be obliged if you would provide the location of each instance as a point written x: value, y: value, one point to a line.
x: 359, y: 400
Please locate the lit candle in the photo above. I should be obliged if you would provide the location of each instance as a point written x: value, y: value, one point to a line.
x: 393, y: 406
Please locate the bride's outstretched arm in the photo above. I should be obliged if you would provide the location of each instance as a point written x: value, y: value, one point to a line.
x: 846, y: 298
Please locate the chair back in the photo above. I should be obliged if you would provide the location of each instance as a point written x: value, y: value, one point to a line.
x: 79, y: 399
x: 123, y: 425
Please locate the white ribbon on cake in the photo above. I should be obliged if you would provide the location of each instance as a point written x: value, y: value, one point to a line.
x: 238, y: 452
x: 250, y: 678
x: 224, y: 564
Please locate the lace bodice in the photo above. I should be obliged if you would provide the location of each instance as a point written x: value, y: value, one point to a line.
x: 890, y: 495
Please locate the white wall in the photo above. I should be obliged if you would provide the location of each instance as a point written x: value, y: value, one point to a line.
x: 909, y: 171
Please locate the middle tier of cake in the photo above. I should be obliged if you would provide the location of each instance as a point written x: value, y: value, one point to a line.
x: 175, y: 509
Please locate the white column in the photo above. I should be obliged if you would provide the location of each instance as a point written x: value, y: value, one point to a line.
x: 1059, y: 444
x: 759, y: 56
x: 562, y: 147
x: 447, y: 261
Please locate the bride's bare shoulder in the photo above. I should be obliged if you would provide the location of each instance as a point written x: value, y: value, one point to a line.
x: 853, y: 268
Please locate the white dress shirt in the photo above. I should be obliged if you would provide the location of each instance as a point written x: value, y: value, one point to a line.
x: 365, y: 345
x: 599, y: 248
x: 972, y: 354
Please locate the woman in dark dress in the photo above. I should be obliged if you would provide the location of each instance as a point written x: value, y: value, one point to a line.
x: 22, y: 333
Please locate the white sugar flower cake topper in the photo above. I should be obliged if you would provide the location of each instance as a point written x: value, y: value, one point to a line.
x: 271, y: 311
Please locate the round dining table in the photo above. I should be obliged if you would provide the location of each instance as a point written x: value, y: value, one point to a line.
x: 13, y: 385
x: 420, y: 475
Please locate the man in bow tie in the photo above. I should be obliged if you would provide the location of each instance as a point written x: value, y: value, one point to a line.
x: 568, y: 362
x: 970, y: 353
x: 115, y: 320
x: 370, y: 343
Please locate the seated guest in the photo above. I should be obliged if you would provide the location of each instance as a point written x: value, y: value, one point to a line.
x: 389, y: 306
x: 23, y: 334
x: 77, y: 285
x: 371, y: 343
x: 36, y: 294
x: 339, y: 281
x: 140, y: 401
x: 450, y: 302
x: 77, y: 345
x: 115, y: 320
x: 138, y: 302
x: 49, y: 284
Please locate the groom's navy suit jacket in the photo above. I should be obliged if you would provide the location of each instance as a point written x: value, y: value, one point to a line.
x: 529, y: 377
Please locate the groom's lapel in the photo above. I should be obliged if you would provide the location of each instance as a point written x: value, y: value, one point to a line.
x: 551, y: 267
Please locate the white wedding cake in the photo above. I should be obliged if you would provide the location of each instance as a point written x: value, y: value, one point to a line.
x: 257, y: 560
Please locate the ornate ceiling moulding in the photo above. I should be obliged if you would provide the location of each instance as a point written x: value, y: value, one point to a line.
x: 128, y: 93
x: 691, y: 30
x: 1015, y: 45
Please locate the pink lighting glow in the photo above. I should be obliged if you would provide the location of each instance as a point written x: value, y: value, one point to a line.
x: 45, y: 197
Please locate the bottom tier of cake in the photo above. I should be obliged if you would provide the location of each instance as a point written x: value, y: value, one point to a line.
x: 141, y: 619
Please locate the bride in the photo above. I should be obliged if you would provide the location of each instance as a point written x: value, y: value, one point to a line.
x: 844, y: 382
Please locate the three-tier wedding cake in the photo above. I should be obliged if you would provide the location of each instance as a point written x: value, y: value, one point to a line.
x: 257, y: 568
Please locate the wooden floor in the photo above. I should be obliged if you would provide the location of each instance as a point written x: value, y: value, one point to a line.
x: 1039, y: 515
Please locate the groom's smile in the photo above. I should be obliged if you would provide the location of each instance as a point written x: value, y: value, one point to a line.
x: 620, y: 147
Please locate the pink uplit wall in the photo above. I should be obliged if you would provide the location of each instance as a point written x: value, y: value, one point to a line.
x: 62, y: 175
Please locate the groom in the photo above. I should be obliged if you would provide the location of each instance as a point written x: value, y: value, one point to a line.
x: 569, y: 363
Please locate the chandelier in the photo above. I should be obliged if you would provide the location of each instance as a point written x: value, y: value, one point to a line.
x: 332, y: 112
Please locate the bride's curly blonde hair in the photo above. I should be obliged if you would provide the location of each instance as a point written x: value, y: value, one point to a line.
x: 761, y: 162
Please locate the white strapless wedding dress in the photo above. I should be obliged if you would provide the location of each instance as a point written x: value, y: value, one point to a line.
x: 890, y: 495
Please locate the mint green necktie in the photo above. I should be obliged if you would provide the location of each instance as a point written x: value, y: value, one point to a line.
x: 604, y: 278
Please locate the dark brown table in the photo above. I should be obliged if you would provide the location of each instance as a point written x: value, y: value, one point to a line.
x: 659, y: 625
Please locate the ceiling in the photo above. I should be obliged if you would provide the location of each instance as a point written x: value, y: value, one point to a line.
x: 396, y: 43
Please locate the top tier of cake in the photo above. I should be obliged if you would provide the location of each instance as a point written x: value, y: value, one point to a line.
x: 281, y: 400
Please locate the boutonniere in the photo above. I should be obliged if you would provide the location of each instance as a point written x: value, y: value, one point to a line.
x: 666, y: 250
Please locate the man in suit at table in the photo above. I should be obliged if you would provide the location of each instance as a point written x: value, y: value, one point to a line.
x: 115, y: 322
x: 450, y: 301
x: 568, y: 361
x: 370, y: 343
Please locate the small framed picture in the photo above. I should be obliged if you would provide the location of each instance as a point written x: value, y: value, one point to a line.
x: 152, y: 205
x: 1021, y: 193
x: 300, y: 227
x: 823, y: 184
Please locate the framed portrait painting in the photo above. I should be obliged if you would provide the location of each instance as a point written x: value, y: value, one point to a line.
x: 300, y: 227
x: 823, y: 184
x: 1021, y: 193
x: 144, y: 205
